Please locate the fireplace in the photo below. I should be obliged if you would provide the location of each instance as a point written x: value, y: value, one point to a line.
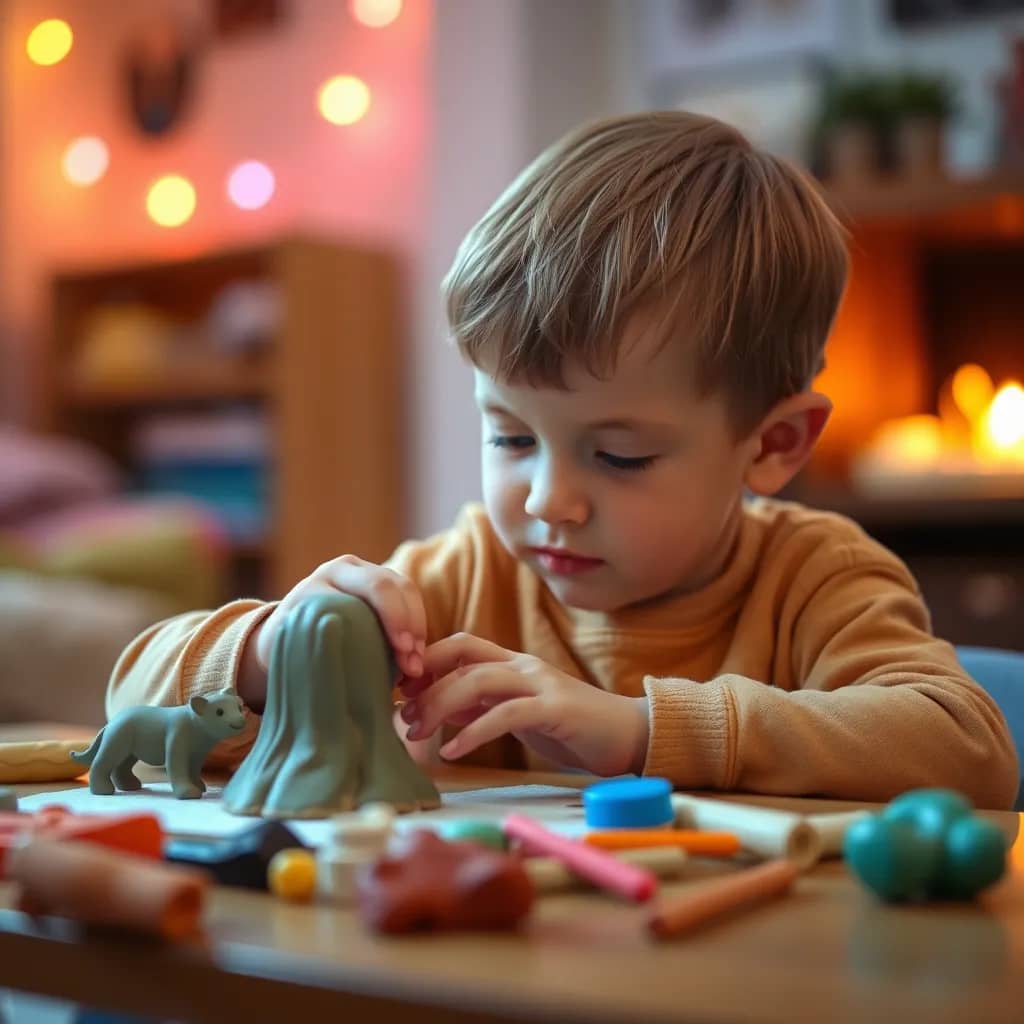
x: 926, y: 445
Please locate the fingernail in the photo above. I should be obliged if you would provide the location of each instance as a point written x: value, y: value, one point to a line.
x: 450, y: 749
x: 410, y: 712
x: 405, y: 641
x: 415, y: 730
x: 415, y: 663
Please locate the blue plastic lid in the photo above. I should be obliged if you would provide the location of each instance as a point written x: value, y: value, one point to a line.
x: 628, y: 803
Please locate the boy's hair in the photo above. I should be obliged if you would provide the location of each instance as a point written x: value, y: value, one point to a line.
x: 728, y: 249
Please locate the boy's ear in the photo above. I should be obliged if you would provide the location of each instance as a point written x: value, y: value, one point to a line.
x: 786, y: 437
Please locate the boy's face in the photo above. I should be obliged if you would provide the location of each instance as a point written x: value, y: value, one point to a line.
x: 615, y: 491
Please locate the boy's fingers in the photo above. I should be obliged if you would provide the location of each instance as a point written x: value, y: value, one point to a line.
x: 461, y: 692
x: 461, y: 649
x: 518, y: 715
x: 416, y: 616
x: 394, y: 598
x: 413, y: 686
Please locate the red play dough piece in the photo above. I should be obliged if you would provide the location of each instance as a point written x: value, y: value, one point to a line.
x: 427, y: 884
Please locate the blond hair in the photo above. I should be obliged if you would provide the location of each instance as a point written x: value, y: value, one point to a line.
x: 733, y: 250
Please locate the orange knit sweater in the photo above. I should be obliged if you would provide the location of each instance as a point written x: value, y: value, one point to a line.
x: 807, y: 667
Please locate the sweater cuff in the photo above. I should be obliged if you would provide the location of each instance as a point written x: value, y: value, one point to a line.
x: 692, y: 733
x: 210, y: 663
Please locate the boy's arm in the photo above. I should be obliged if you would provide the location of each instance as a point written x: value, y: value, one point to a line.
x: 883, y: 706
x: 195, y: 653
x: 202, y: 652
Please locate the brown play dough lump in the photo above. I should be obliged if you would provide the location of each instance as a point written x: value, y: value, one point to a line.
x: 427, y: 884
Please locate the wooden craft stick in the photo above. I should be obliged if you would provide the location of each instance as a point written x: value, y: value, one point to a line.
x: 763, y: 831
x: 831, y: 829
x: 99, y: 886
x: 743, y: 889
x: 703, y: 844
x: 549, y: 874
x: 595, y: 865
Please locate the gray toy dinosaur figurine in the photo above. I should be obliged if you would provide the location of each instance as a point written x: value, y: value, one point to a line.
x: 178, y: 738
x: 327, y: 742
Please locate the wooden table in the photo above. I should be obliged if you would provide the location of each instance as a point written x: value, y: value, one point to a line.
x: 828, y: 952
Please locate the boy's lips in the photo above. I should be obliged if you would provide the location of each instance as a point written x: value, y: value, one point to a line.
x: 561, y: 562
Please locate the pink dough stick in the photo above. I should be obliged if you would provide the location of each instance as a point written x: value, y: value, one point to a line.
x: 588, y: 862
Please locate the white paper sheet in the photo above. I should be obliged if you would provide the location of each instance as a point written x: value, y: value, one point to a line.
x: 557, y: 807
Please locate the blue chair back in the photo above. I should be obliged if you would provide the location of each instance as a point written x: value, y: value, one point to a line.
x: 1001, y: 674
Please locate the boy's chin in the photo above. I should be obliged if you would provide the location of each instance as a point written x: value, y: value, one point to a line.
x: 585, y: 599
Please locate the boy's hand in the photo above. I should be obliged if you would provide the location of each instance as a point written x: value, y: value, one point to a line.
x: 395, y: 599
x: 491, y: 691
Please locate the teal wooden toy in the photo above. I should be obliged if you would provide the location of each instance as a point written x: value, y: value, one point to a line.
x: 486, y: 833
x: 927, y: 844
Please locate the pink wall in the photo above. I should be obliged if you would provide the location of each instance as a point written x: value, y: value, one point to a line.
x: 254, y: 99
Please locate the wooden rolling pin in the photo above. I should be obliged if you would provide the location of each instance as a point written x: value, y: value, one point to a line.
x: 767, y: 832
x: 99, y: 886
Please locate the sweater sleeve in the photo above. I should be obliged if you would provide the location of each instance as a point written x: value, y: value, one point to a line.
x: 189, y: 655
x: 199, y: 652
x: 879, y: 705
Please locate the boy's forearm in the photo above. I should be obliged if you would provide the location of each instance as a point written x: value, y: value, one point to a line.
x: 251, y: 683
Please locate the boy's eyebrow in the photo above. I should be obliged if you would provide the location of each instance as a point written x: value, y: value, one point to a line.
x: 626, y: 424
x: 489, y: 405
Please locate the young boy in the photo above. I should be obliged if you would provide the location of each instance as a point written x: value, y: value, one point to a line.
x: 645, y: 307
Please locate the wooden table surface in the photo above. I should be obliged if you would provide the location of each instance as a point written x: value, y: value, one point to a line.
x: 827, y: 952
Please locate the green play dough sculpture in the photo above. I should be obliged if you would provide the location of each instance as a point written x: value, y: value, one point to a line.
x: 926, y: 844
x: 327, y: 742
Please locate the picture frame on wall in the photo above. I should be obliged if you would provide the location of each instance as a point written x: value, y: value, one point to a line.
x: 684, y: 37
x: 775, y: 104
x: 923, y: 14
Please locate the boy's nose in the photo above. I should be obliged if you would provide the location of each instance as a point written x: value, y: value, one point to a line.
x: 554, y: 498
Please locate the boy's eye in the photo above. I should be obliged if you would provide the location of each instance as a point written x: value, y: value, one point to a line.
x: 625, y: 462
x: 511, y: 441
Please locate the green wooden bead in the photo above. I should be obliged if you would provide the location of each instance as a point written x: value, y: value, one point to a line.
x: 486, y: 833
x: 974, y: 857
x: 891, y: 857
x: 930, y: 811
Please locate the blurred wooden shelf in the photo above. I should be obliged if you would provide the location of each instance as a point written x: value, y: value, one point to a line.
x: 330, y: 380
x: 994, y: 202
x: 215, y: 382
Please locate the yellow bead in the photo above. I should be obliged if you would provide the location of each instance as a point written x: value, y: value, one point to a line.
x: 292, y: 875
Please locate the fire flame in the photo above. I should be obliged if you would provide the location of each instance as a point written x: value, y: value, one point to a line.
x: 978, y: 429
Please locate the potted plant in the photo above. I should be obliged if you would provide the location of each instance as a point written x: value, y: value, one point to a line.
x: 923, y: 104
x: 853, y: 125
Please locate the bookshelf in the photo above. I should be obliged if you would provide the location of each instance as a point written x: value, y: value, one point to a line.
x: 327, y: 385
x: 944, y: 208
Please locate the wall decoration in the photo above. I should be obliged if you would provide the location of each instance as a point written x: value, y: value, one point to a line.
x: 775, y: 105
x: 85, y: 160
x: 375, y: 13
x: 684, y: 36
x: 344, y: 99
x: 171, y: 201
x: 233, y: 18
x: 929, y: 13
x: 49, y: 42
x: 160, y: 67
